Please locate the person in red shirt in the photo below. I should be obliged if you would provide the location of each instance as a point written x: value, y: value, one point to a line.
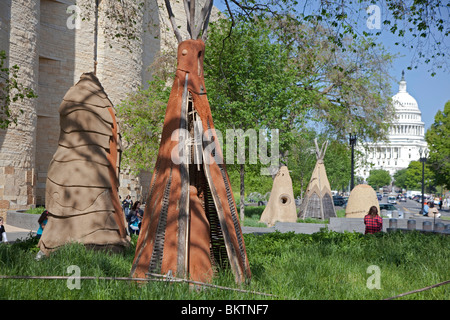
x: 373, y: 222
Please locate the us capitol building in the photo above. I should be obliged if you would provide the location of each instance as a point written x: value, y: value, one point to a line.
x: 406, y: 137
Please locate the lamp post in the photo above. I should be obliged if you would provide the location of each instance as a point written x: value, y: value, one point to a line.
x: 423, y: 158
x: 352, y: 141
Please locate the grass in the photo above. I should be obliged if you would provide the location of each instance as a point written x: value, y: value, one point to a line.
x: 324, y: 266
x: 253, y: 214
x: 37, y: 210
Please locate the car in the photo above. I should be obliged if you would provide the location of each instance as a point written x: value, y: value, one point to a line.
x: 338, y: 201
x: 402, y: 199
x: 389, y: 207
x: 379, y: 196
x: 392, y: 199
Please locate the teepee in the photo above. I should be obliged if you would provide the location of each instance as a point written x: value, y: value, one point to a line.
x: 318, y: 200
x: 361, y: 198
x: 281, y: 205
x: 83, y: 176
x: 190, y: 225
x: 81, y: 192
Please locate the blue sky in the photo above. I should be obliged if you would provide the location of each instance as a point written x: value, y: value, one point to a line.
x: 431, y: 92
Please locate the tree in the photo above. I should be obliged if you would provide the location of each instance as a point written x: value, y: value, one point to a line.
x: 414, y: 177
x: 302, y: 159
x: 251, y: 85
x: 439, y: 144
x: 379, y: 178
x: 420, y: 26
x: 338, y: 164
x: 346, y: 84
x: 142, y: 116
x: 400, y: 178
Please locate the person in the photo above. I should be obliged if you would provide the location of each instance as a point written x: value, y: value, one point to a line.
x: 135, y: 218
x: 3, y: 237
x: 42, y: 221
x: 425, y: 209
x: 440, y: 203
x: 126, y: 205
x: 433, y: 211
x: 373, y: 222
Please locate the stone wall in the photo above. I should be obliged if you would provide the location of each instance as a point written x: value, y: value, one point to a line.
x: 18, y: 142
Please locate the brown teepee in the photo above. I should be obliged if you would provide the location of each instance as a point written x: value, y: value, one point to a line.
x: 190, y: 224
x: 318, y: 200
x: 82, y: 181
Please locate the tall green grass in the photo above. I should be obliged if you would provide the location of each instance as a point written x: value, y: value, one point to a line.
x: 326, y: 265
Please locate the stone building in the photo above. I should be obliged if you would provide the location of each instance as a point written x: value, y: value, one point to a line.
x: 53, y: 47
x: 406, y: 137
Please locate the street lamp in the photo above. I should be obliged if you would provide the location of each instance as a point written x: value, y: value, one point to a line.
x: 423, y: 158
x: 352, y: 141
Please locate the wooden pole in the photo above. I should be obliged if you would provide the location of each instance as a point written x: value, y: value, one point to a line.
x: 97, y: 2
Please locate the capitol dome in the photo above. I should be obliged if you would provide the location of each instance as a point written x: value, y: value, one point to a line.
x: 403, y: 100
x: 408, y: 118
x: 406, y: 137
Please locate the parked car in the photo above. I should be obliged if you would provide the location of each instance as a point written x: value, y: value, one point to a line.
x: 392, y: 199
x: 338, y: 201
x: 389, y: 207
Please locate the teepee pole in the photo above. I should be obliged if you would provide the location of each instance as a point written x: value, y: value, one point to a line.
x: 97, y: 2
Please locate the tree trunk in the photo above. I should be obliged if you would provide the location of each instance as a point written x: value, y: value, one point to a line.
x: 242, y: 191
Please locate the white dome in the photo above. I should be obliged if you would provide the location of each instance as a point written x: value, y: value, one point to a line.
x: 403, y: 100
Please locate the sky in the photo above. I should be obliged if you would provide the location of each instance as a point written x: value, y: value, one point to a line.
x: 430, y: 92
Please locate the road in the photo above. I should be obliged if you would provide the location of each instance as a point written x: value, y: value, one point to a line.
x: 412, y: 206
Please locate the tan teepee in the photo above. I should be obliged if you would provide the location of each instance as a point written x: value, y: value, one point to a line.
x: 83, y: 176
x: 281, y: 205
x: 318, y: 201
x: 361, y: 199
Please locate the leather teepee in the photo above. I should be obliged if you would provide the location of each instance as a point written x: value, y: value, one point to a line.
x: 82, y: 180
x: 190, y: 224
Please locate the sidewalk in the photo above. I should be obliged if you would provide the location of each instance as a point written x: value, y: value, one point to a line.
x: 15, y: 233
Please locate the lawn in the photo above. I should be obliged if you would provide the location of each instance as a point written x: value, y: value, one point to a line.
x: 325, y: 266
